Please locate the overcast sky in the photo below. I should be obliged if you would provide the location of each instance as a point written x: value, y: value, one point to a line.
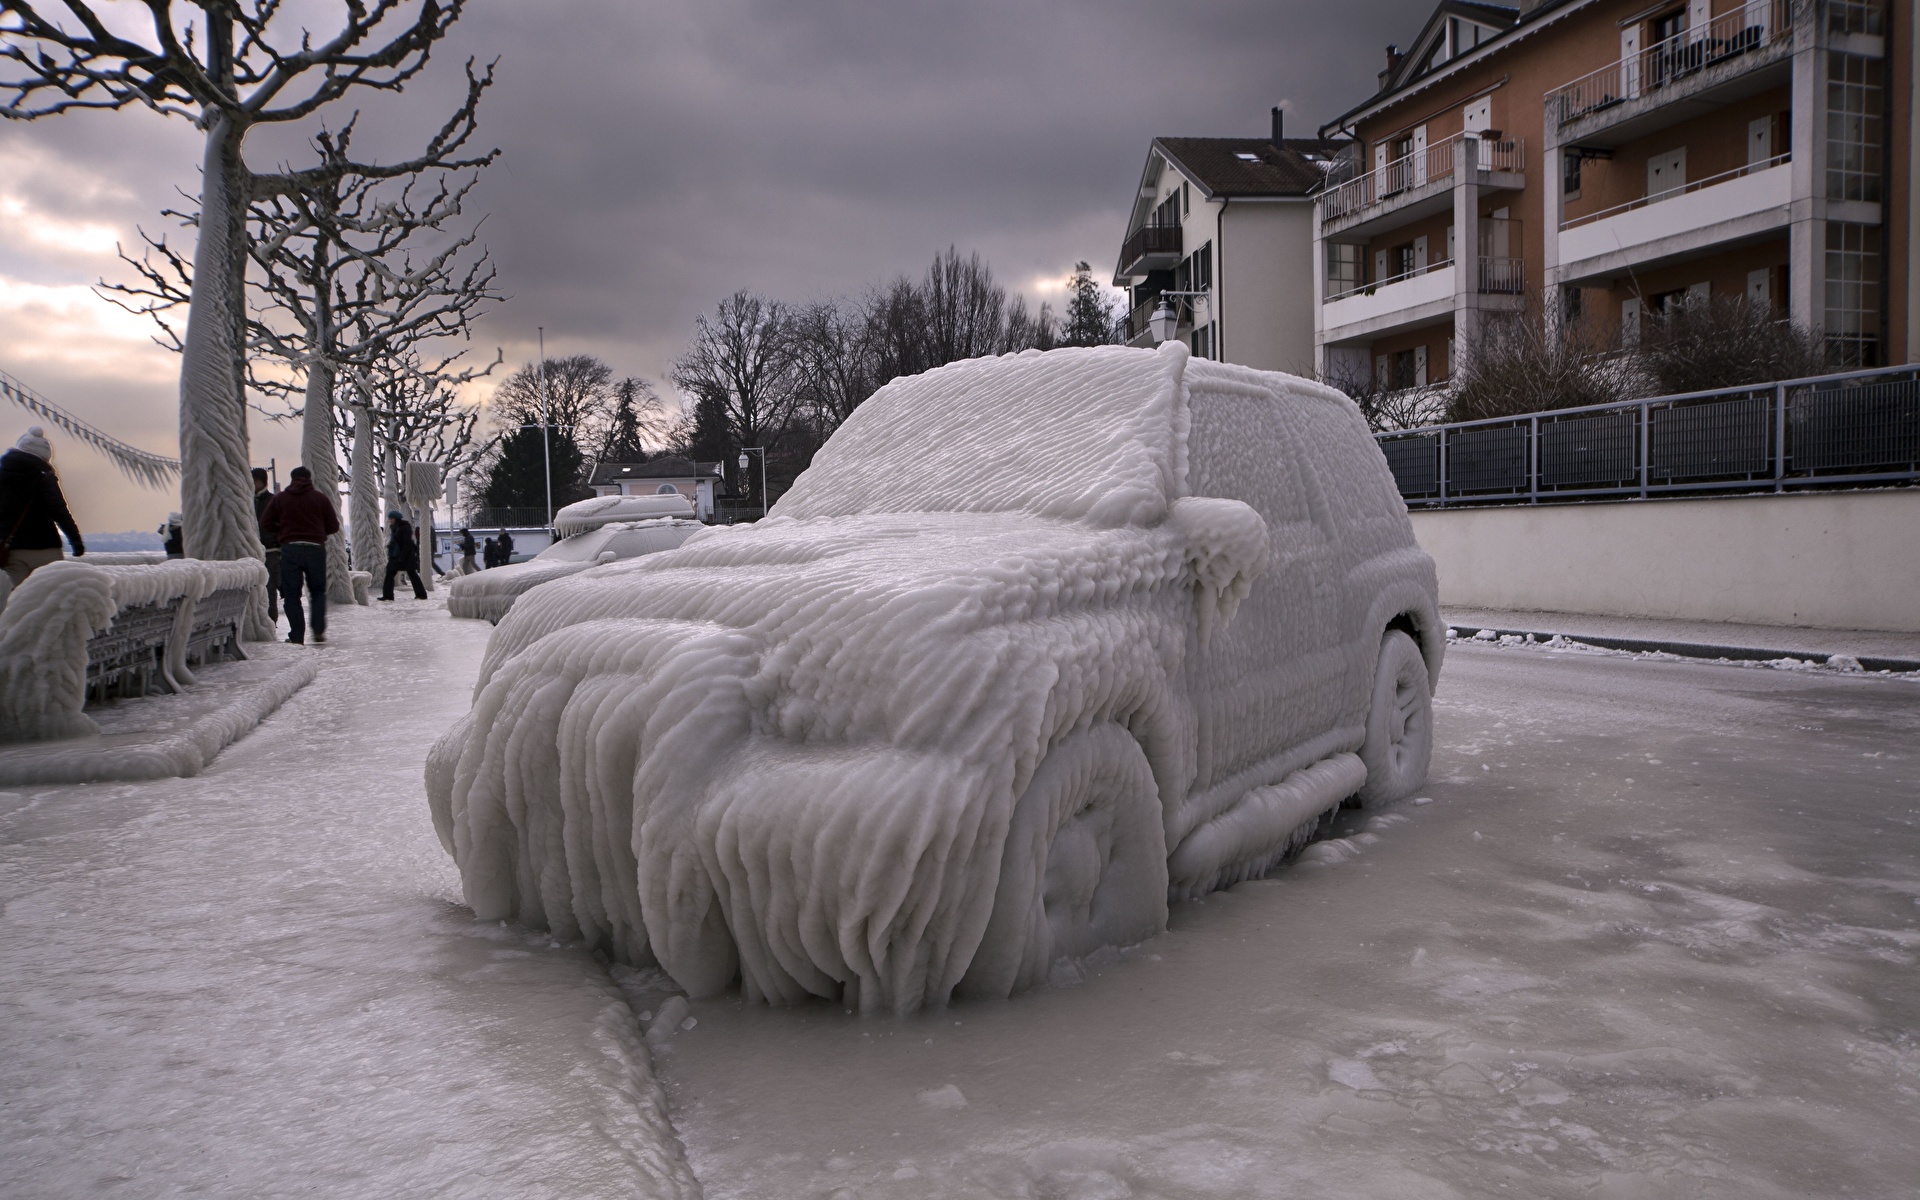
x: 658, y: 156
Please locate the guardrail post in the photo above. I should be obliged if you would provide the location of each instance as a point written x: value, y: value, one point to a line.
x: 1779, y: 437
x: 1533, y: 460
x: 1646, y: 443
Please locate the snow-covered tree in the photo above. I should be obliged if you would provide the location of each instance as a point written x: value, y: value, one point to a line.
x: 227, y: 66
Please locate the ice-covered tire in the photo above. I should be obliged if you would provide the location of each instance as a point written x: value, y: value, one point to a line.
x: 1085, y: 864
x: 1399, y: 741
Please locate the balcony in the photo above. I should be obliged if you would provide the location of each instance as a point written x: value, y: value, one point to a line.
x: 1732, y: 206
x: 1151, y: 248
x: 1418, y: 185
x: 1679, y: 77
x: 1418, y: 297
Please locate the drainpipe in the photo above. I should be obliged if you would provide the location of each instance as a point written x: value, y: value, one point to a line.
x: 1220, y: 279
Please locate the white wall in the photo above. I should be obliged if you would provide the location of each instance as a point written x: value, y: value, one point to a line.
x: 1264, y: 277
x: 1843, y: 560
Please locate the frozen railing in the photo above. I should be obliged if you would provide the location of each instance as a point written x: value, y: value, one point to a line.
x: 1436, y: 163
x: 1725, y: 38
x: 1671, y: 193
x: 1852, y: 428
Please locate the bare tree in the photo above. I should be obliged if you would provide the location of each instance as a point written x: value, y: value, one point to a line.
x: 742, y: 367
x: 1526, y: 364
x: 579, y: 397
x: 1725, y: 341
x: 226, y: 65
x: 635, y: 418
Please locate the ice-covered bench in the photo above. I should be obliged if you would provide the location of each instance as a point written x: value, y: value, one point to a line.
x: 74, y: 630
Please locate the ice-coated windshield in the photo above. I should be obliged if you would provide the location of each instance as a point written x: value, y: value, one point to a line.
x: 1079, y: 434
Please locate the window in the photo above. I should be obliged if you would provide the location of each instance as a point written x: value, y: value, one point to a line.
x: 1407, y: 368
x: 1855, y: 16
x: 1572, y: 306
x: 1167, y: 214
x: 1853, y: 127
x: 1200, y: 268
x: 1344, y: 268
x: 666, y: 489
x: 1853, y: 294
x: 1570, y: 174
x: 1400, y: 259
x: 1203, y: 341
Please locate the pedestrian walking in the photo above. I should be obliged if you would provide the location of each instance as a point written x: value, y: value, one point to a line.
x: 466, y: 552
x: 301, y: 520
x: 506, y: 548
x: 403, y: 555
x: 267, y: 541
x: 33, y: 512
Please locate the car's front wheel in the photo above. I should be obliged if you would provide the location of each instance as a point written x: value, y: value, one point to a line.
x: 1085, y: 863
x: 1399, y: 741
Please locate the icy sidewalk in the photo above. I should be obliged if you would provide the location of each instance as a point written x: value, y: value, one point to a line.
x: 1654, y: 935
x: 258, y: 982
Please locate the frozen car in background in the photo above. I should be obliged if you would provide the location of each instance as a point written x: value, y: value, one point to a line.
x: 601, y: 530
x: 1036, y: 643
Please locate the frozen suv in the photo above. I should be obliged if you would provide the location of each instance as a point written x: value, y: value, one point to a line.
x: 1036, y: 643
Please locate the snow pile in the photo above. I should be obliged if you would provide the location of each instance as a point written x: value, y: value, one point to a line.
x: 49, y: 618
x: 487, y: 595
x: 586, y: 515
x: 125, y: 558
x: 923, y: 732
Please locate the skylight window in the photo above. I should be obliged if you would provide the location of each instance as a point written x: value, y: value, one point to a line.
x: 1246, y: 156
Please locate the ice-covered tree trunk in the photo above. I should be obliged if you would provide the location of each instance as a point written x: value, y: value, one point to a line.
x: 368, y: 552
x: 317, y: 454
x: 216, y: 493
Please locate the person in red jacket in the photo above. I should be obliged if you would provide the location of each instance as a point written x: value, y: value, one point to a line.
x: 301, y: 520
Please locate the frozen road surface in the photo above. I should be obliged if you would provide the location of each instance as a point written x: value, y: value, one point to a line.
x: 1654, y: 936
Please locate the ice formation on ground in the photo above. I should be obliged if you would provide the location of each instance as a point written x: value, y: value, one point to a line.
x: 48, y: 619
x: 487, y: 595
x: 922, y: 733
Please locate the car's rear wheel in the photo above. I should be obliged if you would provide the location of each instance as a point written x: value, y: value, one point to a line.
x: 1399, y: 741
x: 1085, y: 863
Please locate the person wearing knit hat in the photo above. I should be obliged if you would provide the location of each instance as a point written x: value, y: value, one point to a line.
x: 33, y: 511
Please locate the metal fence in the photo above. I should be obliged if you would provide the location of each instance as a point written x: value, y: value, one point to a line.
x: 1855, y: 428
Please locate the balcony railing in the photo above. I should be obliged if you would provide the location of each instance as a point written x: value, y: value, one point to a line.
x: 1336, y: 290
x: 1725, y: 38
x: 1671, y: 193
x: 1150, y: 241
x: 1502, y: 276
x: 1855, y: 428
x: 1436, y: 163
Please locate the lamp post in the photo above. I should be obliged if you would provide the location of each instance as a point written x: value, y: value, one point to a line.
x: 546, y: 423
x: 761, y: 451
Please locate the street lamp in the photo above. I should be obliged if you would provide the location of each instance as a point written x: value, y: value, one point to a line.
x: 763, y: 472
x: 546, y: 422
x: 1165, y: 321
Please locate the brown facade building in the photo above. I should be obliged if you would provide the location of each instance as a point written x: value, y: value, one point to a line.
x: 1601, y: 159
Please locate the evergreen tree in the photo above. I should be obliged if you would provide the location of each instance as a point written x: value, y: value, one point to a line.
x: 517, y: 480
x: 1090, y: 318
x: 637, y: 414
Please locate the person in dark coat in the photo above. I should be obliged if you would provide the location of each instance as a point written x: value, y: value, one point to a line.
x: 506, y: 548
x: 268, y: 542
x: 466, y: 547
x: 403, y: 555
x: 489, y: 556
x: 301, y: 520
x: 33, y: 512
x: 175, y: 536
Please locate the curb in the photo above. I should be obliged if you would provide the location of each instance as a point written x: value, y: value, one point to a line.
x: 1692, y: 649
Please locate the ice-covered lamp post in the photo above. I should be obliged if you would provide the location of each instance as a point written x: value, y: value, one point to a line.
x: 761, y: 451
x: 1165, y: 321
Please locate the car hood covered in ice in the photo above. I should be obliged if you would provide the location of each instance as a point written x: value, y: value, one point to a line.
x: 788, y: 753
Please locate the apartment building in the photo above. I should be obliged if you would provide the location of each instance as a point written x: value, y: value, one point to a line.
x: 1220, y: 234
x: 1600, y: 159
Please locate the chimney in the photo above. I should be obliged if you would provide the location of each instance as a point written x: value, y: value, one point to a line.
x: 1393, y: 60
x: 1278, y: 116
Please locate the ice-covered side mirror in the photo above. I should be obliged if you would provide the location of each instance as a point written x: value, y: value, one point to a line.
x: 1227, y: 549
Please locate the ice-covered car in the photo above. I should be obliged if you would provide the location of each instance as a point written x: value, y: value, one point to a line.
x: 601, y: 530
x: 1036, y: 643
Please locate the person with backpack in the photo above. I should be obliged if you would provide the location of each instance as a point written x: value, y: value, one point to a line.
x: 403, y: 555
x: 301, y: 520
x: 33, y: 511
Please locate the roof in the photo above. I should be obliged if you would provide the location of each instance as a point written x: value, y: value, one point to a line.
x: 1221, y: 166
x: 1407, y: 77
x: 668, y: 466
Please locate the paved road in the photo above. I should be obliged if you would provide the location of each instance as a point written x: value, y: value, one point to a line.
x: 1654, y: 936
